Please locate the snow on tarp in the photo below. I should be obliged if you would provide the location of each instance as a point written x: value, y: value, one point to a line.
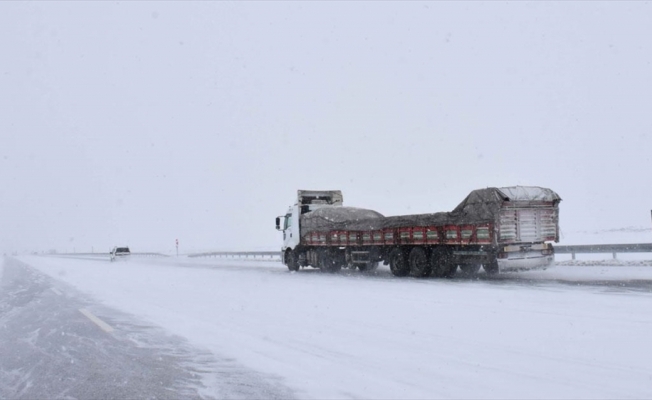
x: 340, y: 218
x: 529, y: 193
x: 480, y: 206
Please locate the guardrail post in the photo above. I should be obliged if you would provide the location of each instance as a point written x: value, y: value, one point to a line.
x: 614, y: 254
x: 573, y: 254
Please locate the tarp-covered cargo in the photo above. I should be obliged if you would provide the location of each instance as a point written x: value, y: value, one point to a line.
x: 480, y: 206
x: 340, y: 218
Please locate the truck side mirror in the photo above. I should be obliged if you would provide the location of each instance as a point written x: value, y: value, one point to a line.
x: 278, y: 223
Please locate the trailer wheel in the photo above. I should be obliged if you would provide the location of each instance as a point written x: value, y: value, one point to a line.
x: 491, y: 268
x: 419, y: 266
x: 441, y: 265
x: 370, y: 266
x: 397, y: 263
x: 291, y: 260
x: 329, y: 263
x: 470, y: 269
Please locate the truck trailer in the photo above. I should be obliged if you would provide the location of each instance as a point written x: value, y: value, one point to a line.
x: 497, y: 229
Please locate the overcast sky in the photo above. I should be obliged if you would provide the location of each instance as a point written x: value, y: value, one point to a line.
x: 137, y: 123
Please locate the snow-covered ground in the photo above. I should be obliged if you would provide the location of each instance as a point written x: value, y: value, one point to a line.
x: 632, y: 234
x: 568, y: 332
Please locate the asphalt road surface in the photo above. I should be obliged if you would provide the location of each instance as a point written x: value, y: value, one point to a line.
x: 58, y: 343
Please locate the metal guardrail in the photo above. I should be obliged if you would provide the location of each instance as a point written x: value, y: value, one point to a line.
x: 149, y: 255
x: 614, y: 249
x: 251, y: 255
x: 105, y: 254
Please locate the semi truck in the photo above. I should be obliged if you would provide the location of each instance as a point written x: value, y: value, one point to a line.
x: 497, y: 229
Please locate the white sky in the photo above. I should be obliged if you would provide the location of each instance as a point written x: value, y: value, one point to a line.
x: 138, y: 123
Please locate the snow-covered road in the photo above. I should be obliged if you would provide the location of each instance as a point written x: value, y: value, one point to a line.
x: 569, y: 332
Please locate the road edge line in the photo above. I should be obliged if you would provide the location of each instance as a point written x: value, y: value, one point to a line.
x: 103, y: 325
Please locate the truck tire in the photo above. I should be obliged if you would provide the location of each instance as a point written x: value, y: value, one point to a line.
x: 329, y: 263
x: 419, y: 265
x: 452, y: 270
x: 398, y: 263
x: 441, y: 265
x: 368, y: 267
x: 491, y: 268
x: 291, y: 260
x: 470, y: 269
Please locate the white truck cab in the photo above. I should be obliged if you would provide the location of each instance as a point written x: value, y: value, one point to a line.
x: 307, y: 200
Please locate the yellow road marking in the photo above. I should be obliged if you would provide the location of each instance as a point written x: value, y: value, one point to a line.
x: 103, y: 325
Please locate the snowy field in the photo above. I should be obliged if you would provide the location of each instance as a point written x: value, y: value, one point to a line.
x: 633, y: 234
x: 568, y: 332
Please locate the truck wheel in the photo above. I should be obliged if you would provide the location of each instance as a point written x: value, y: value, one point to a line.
x: 436, y: 264
x: 370, y: 266
x: 470, y: 269
x: 397, y: 263
x: 491, y: 268
x: 336, y: 267
x: 291, y: 261
x: 329, y: 263
x: 452, y: 270
x: 441, y: 265
x: 419, y: 266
